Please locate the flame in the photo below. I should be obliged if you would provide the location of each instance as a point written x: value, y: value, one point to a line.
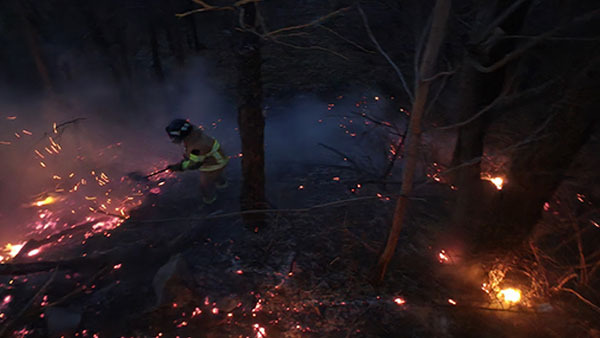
x: 45, y: 201
x: 11, y: 250
x: 443, y: 257
x: 498, y: 181
x: 510, y: 295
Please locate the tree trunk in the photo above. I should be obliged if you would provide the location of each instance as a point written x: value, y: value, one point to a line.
x: 440, y: 16
x: 477, y: 90
x: 34, y: 47
x: 174, y: 41
x: 156, y: 63
x: 198, y: 47
x: 537, y: 169
x: 251, y: 121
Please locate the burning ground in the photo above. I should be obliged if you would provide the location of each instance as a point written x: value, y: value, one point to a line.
x: 107, y: 256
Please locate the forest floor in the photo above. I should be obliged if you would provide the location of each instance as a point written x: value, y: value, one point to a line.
x: 177, y: 268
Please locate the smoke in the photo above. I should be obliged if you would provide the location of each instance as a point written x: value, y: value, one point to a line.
x: 76, y: 147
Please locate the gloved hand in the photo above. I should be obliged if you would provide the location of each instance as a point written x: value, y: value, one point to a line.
x: 175, y: 167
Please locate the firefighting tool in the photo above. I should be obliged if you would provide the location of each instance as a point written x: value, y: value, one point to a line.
x: 137, y: 176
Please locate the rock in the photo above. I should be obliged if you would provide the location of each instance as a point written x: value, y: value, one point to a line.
x: 62, y: 321
x: 173, y: 283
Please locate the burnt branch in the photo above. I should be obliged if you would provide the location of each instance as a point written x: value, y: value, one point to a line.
x: 384, y: 54
x: 530, y: 44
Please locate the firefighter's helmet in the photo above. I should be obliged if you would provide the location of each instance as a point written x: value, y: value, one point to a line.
x: 178, y: 129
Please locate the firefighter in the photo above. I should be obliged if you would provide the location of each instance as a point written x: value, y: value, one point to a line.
x: 202, y: 153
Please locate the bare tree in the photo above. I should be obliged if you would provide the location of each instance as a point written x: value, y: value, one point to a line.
x: 426, y: 71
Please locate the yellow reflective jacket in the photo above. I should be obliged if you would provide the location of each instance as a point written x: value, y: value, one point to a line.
x: 203, y: 152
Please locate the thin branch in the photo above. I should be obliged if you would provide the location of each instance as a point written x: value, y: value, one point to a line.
x: 8, y: 326
x: 532, y: 43
x: 382, y: 52
x: 433, y: 101
x: 583, y: 299
x: 310, y: 48
x: 476, y: 116
x: 554, y: 38
x: 344, y: 156
x: 207, y: 7
x: 346, y: 39
x: 500, y: 18
x: 309, y: 24
x: 419, y: 49
x: 438, y: 75
x: 503, y: 101
x: 532, y: 138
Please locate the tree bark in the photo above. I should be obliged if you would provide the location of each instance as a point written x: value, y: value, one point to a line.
x: 250, y: 120
x: 34, y: 47
x: 476, y: 90
x: 537, y: 169
x: 156, y: 63
x: 440, y: 16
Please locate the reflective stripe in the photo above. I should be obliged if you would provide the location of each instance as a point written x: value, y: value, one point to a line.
x: 197, y: 158
x: 214, y: 153
x: 214, y: 167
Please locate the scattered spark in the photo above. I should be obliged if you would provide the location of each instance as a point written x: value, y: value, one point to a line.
x: 26, y: 132
x: 336, y: 178
x: 117, y: 266
x: 43, y: 164
x: 239, y: 272
x: 6, y: 143
x: 300, y: 187
x: 399, y: 301
x: 595, y: 224
x: 33, y: 252
x: 260, y: 331
x: 215, y: 311
x: 11, y: 118
x: 451, y: 301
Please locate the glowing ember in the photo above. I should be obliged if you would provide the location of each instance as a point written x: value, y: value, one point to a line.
x: 260, y: 331
x: 510, y: 295
x: 33, y: 252
x: 196, y: 312
x: 399, y: 301
x: 45, y: 201
x: 443, y: 257
x: 496, y: 180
